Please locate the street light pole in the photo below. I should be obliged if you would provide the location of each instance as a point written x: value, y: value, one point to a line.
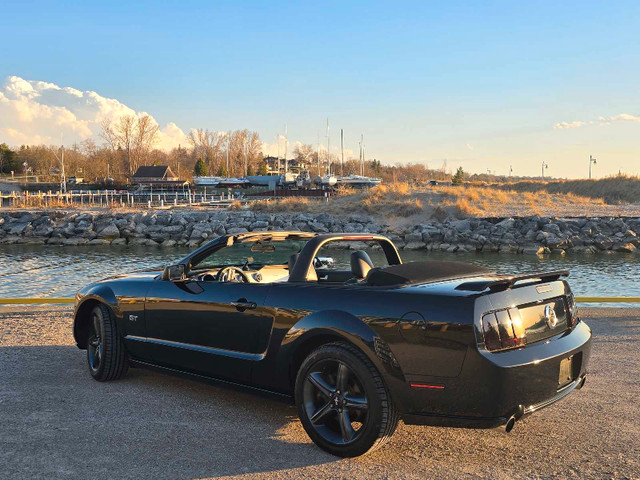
x: 591, y: 162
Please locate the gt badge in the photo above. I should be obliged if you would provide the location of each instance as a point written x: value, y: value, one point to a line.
x: 133, y: 318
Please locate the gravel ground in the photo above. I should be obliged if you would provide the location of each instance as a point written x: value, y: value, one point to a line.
x: 57, y: 422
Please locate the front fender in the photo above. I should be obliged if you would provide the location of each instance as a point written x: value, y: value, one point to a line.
x: 334, y: 325
x: 86, y: 299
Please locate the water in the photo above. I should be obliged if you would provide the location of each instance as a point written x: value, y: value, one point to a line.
x: 55, y: 271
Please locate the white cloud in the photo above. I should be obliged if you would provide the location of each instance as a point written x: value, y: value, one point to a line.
x: 569, y: 124
x: 34, y: 112
x: 623, y: 117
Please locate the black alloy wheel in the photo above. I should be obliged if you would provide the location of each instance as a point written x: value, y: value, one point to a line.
x: 106, y: 353
x: 342, y: 401
x: 335, y: 402
x: 94, y: 343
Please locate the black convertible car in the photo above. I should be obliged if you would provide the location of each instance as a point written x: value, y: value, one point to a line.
x: 431, y: 342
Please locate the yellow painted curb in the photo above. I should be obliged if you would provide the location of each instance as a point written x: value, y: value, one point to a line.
x: 27, y: 301
x: 608, y: 299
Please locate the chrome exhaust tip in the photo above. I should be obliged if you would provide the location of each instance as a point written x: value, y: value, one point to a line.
x: 510, y: 423
x: 582, y: 382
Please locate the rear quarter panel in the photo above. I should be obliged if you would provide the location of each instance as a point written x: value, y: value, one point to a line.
x: 406, y: 332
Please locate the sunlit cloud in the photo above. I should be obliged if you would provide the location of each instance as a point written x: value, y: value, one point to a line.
x: 623, y: 117
x: 35, y: 112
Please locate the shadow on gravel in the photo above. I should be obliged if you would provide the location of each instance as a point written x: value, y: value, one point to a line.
x: 56, y: 421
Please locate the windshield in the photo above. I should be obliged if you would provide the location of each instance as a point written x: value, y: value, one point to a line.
x: 252, y: 254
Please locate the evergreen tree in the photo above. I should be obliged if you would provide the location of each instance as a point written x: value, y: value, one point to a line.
x: 222, y: 171
x: 200, y: 168
x: 8, y: 159
x: 250, y: 170
x: 458, y: 177
x: 262, y: 169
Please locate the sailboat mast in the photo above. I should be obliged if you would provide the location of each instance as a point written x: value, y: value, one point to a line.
x: 278, y: 143
x: 318, y: 154
x: 361, y: 154
x: 286, y: 162
x: 328, y: 149
x: 341, y: 151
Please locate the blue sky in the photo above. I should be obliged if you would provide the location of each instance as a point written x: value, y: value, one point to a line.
x: 481, y: 84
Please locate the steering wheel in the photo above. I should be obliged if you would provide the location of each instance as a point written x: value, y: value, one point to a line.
x: 231, y: 274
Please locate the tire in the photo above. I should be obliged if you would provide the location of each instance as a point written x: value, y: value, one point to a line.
x: 342, y: 401
x: 106, y: 354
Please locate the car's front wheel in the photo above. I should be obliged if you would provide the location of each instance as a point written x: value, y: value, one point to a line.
x: 343, y: 402
x: 106, y: 354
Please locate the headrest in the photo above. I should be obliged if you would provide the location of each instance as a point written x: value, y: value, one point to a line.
x: 360, y: 264
x: 292, y: 261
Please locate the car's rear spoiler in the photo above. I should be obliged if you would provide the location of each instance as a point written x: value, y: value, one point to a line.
x: 505, y: 283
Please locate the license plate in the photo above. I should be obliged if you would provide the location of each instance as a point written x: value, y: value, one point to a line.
x: 566, y: 372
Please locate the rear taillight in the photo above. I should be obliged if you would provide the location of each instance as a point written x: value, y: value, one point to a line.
x: 503, y: 330
x: 573, y: 310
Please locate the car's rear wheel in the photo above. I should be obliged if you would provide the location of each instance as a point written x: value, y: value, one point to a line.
x: 343, y: 402
x: 106, y: 353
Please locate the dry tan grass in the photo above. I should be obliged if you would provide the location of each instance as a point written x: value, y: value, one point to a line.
x: 611, y: 190
x: 286, y: 204
x: 401, y: 203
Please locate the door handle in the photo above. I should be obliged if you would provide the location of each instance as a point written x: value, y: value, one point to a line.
x: 242, y: 305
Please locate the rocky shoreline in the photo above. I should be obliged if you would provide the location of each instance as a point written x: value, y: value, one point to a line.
x: 168, y: 228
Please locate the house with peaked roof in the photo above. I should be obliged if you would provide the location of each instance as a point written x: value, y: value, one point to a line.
x: 156, y: 176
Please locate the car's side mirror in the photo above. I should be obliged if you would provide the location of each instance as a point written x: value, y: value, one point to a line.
x: 174, y: 273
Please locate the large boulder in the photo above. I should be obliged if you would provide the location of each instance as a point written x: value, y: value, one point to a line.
x: 110, y: 232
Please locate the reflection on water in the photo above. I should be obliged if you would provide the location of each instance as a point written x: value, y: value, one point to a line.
x: 52, y: 271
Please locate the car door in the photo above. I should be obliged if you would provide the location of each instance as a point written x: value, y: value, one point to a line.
x: 213, y: 328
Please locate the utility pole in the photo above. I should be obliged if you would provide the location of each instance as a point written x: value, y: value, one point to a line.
x: 228, y: 147
x: 341, y: 151
x: 63, y: 178
x: 592, y: 161
x: 544, y: 165
x: 361, y: 157
x: 246, y: 159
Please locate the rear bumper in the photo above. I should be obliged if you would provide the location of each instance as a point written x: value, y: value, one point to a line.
x: 490, y: 422
x: 493, y: 387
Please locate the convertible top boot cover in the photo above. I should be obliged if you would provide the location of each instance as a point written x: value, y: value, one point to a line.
x: 422, y: 272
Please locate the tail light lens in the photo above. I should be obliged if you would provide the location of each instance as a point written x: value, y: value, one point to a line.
x: 573, y: 310
x: 503, y: 330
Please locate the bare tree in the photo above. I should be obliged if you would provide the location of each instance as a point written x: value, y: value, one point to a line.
x: 303, y: 153
x: 134, y: 135
x: 145, y: 135
x: 208, y: 145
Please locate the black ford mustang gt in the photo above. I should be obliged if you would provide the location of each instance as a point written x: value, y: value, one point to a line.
x: 431, y: 343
